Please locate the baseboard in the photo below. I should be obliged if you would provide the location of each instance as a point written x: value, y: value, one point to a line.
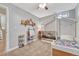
x: 12, y: 49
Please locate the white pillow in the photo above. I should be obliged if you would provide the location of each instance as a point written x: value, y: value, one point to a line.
x: 67, y: 37
x: 77, y: 39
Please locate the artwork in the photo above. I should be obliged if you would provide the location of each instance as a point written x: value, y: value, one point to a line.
x: 27, y: 22
x: 24, y: 22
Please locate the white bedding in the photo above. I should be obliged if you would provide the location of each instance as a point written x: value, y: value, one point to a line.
x: 67, y: 37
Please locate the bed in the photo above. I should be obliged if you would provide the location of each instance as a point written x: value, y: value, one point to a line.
x: 47, y: 34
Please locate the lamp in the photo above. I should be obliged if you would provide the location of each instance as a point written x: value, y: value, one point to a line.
x: 42, y: 5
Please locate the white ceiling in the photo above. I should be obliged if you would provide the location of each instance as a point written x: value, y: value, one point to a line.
x: 52, y: 8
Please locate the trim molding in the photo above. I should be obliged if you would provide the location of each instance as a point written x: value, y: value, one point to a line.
x: 12, y: 49
x: 7, y: 17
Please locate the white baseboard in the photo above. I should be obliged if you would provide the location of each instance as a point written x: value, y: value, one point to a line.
x: 11, y: 49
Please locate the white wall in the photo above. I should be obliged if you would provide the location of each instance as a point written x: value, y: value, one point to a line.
x: 15, y: 28
x: 50, y: 26
x: 77, y: 22
x: 77, y: 18
x: 50, y: 21
x: 67, y: 27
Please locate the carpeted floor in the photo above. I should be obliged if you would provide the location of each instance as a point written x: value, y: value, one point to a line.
x: 36, y: 48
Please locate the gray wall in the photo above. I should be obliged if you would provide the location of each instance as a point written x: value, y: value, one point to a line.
x: 15, y: 29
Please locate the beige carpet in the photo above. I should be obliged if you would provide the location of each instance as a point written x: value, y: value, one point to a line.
x: 36, y: 48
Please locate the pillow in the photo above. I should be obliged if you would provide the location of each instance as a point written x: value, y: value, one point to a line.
x: 68, y: 42
x: 65, y: 42
x: 66, y: 37
x: 59, y: 42
x: 77, y: 39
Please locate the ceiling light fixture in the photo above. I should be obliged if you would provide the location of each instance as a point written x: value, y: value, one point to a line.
x: 43, y: 6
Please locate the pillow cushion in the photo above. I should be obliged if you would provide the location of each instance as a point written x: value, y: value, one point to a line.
x: 65, y: 42
x: 77, y: 39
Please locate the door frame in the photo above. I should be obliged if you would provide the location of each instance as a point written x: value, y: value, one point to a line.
x: 7, y: 28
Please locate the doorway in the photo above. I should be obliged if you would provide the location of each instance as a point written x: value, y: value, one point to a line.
x: 3, y: 29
